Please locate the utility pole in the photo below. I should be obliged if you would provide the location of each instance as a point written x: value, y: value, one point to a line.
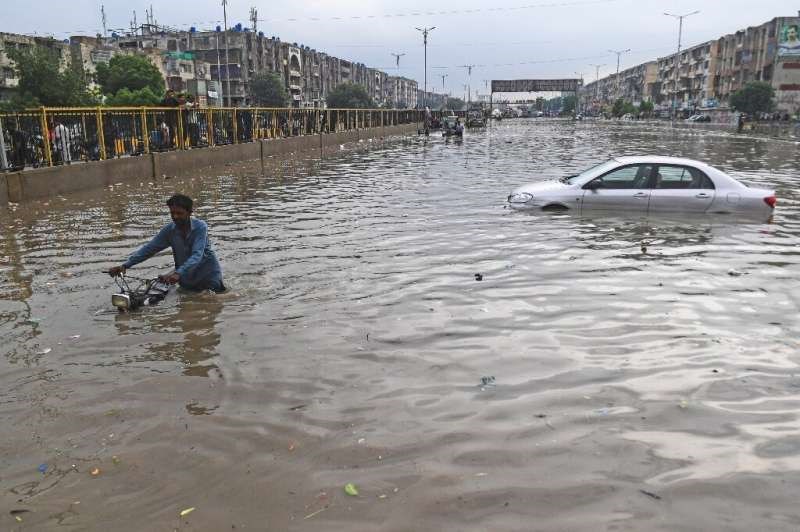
x: 678, y: 56
x: 254, y: 19
x: 577, y: 97
x: 425, y: 32
x: 227, y: 58
x: 219, y: 76
x: 397, y: 61
x: 465, y: 91
x: 596, y: 78
x: 103, y: 18
x: 397, y: 57
x: 469, y: 80
x: 619, y: 53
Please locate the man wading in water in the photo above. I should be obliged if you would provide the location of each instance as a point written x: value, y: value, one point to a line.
x: 196, y: 265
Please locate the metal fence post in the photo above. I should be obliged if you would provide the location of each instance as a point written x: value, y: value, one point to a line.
x: 181, y: 143
x: 145, y: 132
x: 101, y: 136
x: 210, y: 126
x: 3, y: 162
x: 235, y: 128
x: 46, y: 137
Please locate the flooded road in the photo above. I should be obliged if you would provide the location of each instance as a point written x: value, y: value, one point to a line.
x: 606, y: 373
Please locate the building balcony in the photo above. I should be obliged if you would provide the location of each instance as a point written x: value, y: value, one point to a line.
x: 9, y: 83
x: 295, y: 87
x: 295, y: 73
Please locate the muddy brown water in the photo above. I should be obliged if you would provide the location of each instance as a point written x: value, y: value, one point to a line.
x: 633, y: 389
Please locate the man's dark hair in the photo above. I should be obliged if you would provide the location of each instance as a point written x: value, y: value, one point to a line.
x: 179, y: 200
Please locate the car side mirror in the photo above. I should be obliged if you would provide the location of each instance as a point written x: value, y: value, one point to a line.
x: 593, y: 184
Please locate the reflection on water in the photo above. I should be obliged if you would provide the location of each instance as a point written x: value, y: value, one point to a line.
x: 629, y: 354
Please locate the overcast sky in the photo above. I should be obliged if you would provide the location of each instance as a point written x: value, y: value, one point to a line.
x: 506, y: 39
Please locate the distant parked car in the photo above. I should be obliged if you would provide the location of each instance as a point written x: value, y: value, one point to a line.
x: 647, y: 184
x: 699, y: 118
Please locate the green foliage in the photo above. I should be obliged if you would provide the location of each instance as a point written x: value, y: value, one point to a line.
x: 455, y: 104
x: 349, y: 96
x: 132, y: 72
x: 621, y: 108
x: 755, y: 97
x: 569, y: 104
x: 135, y: 98
x: 267, y: 90
x: 43, y: 81
x: 646, y: 108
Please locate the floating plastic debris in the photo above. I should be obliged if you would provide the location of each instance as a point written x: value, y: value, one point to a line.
x: 351, y: 489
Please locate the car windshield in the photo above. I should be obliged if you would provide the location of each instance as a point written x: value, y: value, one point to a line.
x: 597, y: 169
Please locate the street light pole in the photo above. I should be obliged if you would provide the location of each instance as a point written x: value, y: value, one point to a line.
x: 425, y: 32
x: 578, y: 98
x: 469, y: 81
x: 678, y: 57
x: 227, y: 58
x: 619, y: 53
x: 397, y: 81
x: 443, y: 78
x: 596, y: 78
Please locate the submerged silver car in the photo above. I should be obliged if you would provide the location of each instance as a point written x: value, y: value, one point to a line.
x: 647, y: 184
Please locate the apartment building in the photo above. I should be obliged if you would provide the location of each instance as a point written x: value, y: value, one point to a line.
x: 12, y: 41
x: 687, y: 78
x: 707, y: 74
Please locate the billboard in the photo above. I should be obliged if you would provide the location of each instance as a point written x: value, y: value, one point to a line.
x: 789, y: 40
x: 535, y: 85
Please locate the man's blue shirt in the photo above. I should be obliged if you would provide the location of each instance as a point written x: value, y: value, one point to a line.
x: 195, y: 260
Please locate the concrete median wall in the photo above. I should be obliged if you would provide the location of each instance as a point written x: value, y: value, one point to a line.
x: 60, y: 180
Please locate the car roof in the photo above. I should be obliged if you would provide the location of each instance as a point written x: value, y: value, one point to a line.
x: 658, y: 159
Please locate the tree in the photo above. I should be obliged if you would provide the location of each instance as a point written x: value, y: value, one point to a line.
x: 43, y: 80
x: 755, y: 97
x: 132, y: 72
x: 267, y: 90
x: 646, y: 108
x: 349, y: 96
x: 619, y: 108
x: 135, y: 98
x: 454, y: 104
x: 569, y: 103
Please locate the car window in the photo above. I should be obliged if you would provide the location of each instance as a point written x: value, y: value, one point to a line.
x: 681, y: 177
x: 633, y: 176
x: 593, y: 170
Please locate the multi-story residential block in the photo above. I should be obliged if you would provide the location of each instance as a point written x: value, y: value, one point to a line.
x: 687, y: 79
x: 11, y: 41
x: 769, y: 52
x: 217, y: 67
x: 707, y: 74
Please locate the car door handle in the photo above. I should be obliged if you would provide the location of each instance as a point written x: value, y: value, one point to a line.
x: 641, y: 195
x: 702, y: 195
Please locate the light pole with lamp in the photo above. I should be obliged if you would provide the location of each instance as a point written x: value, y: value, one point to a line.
x: 678, y: 56
x: 397, y: 81
x: 619, y: 53
x: 227, y: 59
x: 596, y: 79
x: 577, y: 98
x: 425, y: 32
x: 469, y: 81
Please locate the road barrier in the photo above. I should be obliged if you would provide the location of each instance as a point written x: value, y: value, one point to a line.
x: 59, y: 136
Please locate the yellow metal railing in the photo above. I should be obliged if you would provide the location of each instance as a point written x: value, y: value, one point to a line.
x: 54, y: 136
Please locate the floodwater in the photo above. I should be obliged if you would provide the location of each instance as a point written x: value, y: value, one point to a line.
x: 606, y: 374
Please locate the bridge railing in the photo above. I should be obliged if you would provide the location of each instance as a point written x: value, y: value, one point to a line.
x: 56, y: 136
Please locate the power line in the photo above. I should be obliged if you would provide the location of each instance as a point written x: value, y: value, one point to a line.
x: 429, y: 13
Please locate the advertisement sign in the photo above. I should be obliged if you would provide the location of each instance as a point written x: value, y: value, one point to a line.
x: 789, y: 40
x: 535, y: 85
